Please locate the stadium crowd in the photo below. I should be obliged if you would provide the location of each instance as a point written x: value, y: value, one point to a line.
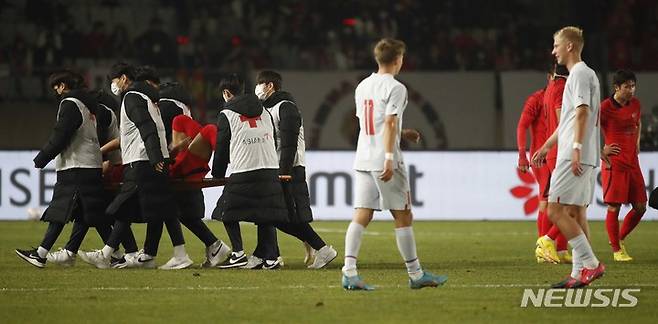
x: 317, y: 35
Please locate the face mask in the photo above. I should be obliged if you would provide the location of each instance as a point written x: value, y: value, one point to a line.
x: 260, y: 91
x: 115, y: 89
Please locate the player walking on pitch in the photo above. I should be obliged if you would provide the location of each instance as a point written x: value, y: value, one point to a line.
x: 572, y: 182
x: 381, y: 177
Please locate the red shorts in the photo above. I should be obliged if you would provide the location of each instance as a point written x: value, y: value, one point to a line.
x: 623, y: 186
x: 189, y: 166
x: 543, y: 177
x: 185, y: 124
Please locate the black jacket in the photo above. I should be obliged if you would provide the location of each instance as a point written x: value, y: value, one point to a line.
x: 289, y: 125
x: 137, y: 111
x: 103, y: 116
x: 69, y: 120
x: 168, y: 109
x: 79, y: 187
x: 253, y: 196
x: 296, y: 191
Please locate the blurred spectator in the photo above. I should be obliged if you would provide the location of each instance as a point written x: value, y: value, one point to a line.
x: 314, y: 34
x: 97, y: 41
x: 120, y: 44
x: 156, y: 47
x: 20, y: 57
x: 71, y: 41
x: 48, y: 48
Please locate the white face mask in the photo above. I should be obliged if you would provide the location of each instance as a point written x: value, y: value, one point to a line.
x: 115, y: 89
x: 260, y: 91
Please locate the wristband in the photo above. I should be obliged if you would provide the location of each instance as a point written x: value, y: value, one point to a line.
x: 388, y: 156
x: 577, y: 146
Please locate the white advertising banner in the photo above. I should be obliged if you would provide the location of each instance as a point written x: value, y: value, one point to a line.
x: 445, y: 186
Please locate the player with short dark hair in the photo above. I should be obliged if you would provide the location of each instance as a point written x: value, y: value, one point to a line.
x: 551, y: 245
x: 622, y: 178
x: 532, y: 118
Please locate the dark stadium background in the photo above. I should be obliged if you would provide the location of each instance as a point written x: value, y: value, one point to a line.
x: 196, y: 42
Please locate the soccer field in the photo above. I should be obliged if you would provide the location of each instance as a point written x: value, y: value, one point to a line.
x: 488, y: 264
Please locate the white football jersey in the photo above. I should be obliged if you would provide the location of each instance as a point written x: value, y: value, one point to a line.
x: 582, y: 88
x: 376, y: 97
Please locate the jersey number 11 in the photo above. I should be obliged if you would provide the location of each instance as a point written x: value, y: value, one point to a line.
x: 369, y: 119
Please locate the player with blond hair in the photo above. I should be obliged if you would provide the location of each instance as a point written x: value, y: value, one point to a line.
x: 578, y: 156
x: 381, y: 176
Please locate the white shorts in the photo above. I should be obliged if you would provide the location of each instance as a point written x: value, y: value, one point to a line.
x: 568, y: 189
x: 373, y: 193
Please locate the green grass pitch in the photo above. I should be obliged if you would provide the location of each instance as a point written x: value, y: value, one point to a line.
x: 488, y: 264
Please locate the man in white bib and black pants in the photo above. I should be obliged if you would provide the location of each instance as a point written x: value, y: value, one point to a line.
x: 144, y: 153
x: 291, y: 148
x: 175, y: 101
x: 108, y: 125
x: 78, y: 193
x: 245, y: 137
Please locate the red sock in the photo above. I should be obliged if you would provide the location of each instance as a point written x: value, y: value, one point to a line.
x: 630, y: 221
x: 540, y: 223
x: 561, y: 242
x: 553, y: 232
x: 612, y: 225
x: 546, y: 225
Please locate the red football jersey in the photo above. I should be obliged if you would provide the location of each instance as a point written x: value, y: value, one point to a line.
x: 552, y: 102
x: 532, y: 117
x: 621, y: 125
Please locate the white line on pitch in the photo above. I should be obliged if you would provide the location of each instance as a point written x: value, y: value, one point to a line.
x: 211, y: 288
x: 438, y: 233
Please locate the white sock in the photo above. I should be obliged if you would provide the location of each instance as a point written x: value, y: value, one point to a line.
x: 238, y: 254
x: 576, y: 266
x: 546, y: 237
x: 42, y: 252
x: 352, y: 245
x: 179, y: 251
x: 407, y: 247
x: 583, y: 251
x: 107, y: 251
